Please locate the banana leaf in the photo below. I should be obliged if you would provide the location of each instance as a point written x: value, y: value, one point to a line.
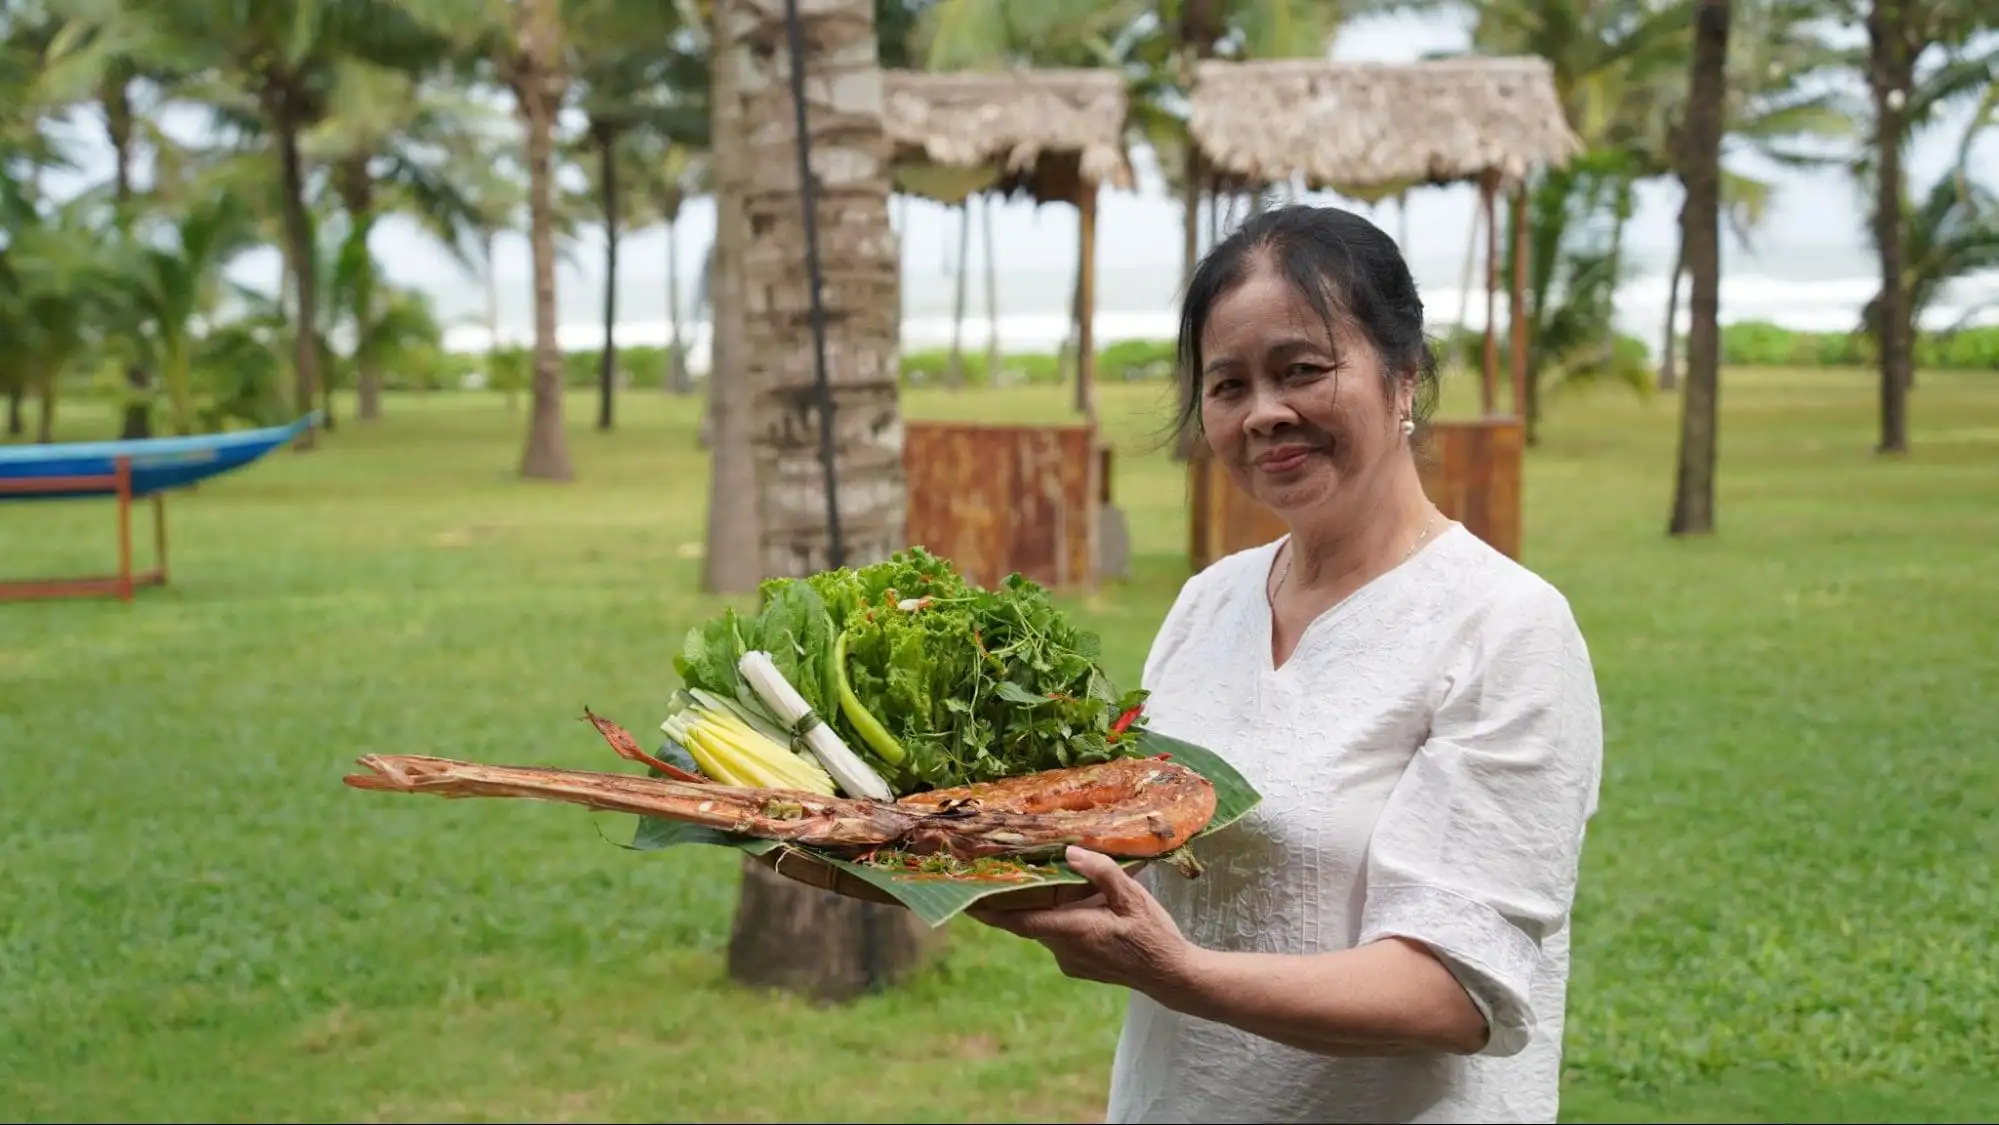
x: 935, y: 899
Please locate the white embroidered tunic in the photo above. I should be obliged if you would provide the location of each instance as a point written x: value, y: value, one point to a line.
x: 1428, y: 758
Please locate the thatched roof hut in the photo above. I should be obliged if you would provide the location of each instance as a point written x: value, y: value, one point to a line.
x: 1366, y: 129
x: 1042, y: 133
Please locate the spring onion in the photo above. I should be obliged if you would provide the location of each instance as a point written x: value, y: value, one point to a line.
x: 854, y: 776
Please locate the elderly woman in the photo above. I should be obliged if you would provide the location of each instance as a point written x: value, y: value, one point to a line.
x: 1385, y: 938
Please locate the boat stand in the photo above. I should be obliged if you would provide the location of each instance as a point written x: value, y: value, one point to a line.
x: 125, y: 581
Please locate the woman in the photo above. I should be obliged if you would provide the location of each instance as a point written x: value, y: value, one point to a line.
x: 1385, y: 938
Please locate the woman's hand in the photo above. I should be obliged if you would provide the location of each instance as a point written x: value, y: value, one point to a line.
x: 1119, y: 936
x: 1385, y: 998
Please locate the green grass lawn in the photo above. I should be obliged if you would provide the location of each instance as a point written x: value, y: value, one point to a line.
x: 1786, y: 910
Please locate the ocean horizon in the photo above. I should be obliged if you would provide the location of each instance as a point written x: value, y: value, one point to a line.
x: 1142, y: 303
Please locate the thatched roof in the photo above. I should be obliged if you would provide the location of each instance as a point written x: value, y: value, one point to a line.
x: 1367, y: 128
x: 1044, y: 133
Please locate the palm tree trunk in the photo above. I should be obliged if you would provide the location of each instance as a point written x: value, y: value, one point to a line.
x: 357, y: 196
x: 1622, y: 207
x: 546, y: 455
x: 676, y: 364
x: 1693, y: 489
x: 1190, y: 257
x: 1086, y: 307
x: 1669, y: 344
x: 511, y: 393
x: 1890, y: 74
x: 607, y: 360
x: 1066, y: 355
x: 45, y: 423
x: 734, y: 532
x: 788, y: 935
x: 118, y: 127
x: 305, y: 274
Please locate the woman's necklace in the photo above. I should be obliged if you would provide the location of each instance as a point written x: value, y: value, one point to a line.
x: 1421, y: 536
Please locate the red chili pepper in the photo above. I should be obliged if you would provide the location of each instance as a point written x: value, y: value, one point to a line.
x: 1125, y: 719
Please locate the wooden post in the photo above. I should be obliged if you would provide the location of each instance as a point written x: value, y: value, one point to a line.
x: 1489, y: 386
x: 1086, y: 302
x: 1519, y: 301
x: 159, y: 539
x: 1086, y: 373
x: 124, y: 477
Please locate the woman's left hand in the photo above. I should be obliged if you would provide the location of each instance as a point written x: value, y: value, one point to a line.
x: 1120, y: 936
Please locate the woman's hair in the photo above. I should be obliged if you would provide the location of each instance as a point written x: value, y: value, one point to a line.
x: 1344, y: 266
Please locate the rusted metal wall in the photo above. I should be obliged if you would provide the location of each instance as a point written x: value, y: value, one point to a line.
x: 1470, y: 469
x: 1224, y: 518
x: 1000, y: 499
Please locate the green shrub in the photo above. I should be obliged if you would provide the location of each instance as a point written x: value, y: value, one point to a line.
x: 1756, y: 343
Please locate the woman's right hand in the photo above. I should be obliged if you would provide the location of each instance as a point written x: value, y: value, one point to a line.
x: 1119, y: 936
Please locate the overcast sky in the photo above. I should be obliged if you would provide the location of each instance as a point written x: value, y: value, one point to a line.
x: 1816, y: 224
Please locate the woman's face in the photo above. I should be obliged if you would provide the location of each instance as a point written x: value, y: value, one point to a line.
x: 1298, y: 429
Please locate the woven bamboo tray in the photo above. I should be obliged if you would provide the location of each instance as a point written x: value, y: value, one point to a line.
x: 806, y: 868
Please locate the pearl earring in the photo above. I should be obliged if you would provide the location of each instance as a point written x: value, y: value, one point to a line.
x: 1408, y: 425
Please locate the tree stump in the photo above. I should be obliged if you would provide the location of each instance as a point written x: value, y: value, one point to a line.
x: 800, y: 939
x: 1114, y: 549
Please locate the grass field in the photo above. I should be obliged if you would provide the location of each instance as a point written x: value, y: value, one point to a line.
x: 1786, y: 910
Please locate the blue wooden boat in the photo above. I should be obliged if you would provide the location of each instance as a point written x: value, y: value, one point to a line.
x: 157, y: 464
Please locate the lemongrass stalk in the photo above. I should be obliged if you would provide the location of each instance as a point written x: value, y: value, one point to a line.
x: 852, y: 774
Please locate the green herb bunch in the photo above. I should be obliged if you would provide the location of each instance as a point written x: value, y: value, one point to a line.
x: 933, y: 681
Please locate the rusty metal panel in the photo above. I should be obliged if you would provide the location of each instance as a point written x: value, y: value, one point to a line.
x: 1470, y: 469
x: 1225, y: 518
x: 1001, y: 499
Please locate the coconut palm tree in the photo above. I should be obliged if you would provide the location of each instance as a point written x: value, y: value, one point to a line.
x: 271, y: 68
x: 1922, y: 57
x: 392, y: 141
x: 789, y: 935
x: 1700, y: 164
x: 59, y: 290
x: 1776, y: 53
x: 133, y: 64
x: 173, y: 284
x: 673, y: 173
x: 534, y: 63
x: 1952, y: 231
x: 636, y: 74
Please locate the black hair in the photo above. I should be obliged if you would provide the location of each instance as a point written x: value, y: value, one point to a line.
x: 1345, y: 266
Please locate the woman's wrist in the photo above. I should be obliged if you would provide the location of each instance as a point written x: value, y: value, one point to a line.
x: 1189, y: 980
